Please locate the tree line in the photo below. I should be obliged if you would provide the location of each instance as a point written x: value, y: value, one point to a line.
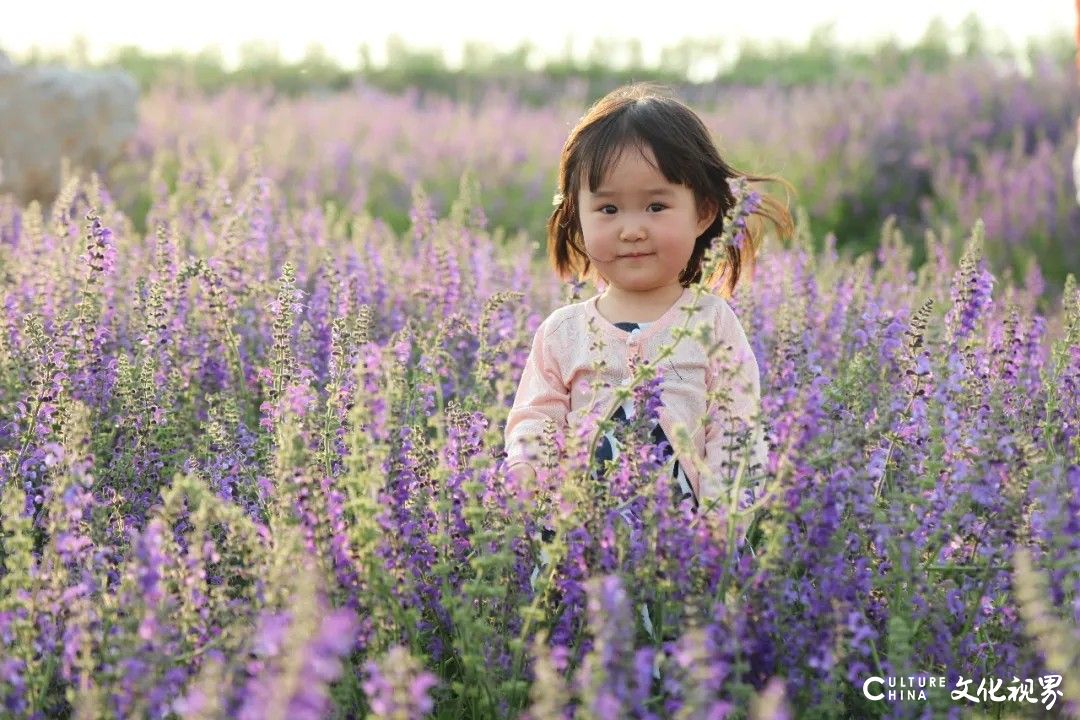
x: 608, y: 62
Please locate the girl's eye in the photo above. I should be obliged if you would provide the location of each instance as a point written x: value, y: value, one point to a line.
x: 661, y: 206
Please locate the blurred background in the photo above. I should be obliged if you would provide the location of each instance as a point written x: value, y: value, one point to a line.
x: 934, y: 114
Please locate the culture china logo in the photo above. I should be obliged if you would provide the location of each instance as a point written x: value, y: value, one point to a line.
x: 1045, y: 690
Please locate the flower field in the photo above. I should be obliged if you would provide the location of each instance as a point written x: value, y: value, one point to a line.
x: 941, y: 150
x: 253, y: 385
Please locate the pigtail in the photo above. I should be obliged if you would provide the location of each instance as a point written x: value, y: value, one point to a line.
x: 565, y: 246
x: 561, y: 232
x: 743, y: 260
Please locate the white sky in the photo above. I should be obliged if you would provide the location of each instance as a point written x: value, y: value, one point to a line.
x: 341, y: 27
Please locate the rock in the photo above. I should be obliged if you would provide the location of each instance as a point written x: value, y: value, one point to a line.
x: 49, y: 113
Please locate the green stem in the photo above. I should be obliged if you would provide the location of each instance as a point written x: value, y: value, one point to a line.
x: 892, y: 441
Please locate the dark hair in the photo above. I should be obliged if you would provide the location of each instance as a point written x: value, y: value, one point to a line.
x: 639, y: 115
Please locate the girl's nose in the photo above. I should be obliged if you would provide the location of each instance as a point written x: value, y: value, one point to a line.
x: 633, y: 230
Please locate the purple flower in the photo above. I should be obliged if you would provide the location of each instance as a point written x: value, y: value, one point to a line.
x: 396, y: 686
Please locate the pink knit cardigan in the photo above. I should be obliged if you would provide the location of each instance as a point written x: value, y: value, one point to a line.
x: 556, y: 383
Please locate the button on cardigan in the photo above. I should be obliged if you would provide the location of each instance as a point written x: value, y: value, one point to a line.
x: 556, y: 384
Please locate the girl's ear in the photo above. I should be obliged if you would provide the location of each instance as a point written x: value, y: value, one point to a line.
x: 708, y: 217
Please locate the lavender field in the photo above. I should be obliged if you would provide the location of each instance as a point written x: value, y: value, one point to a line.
x: 936, y: 150
x: 253, y: 384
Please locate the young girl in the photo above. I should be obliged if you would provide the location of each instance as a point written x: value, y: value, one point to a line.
x: 642, y: 194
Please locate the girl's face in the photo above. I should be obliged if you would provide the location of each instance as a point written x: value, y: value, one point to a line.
x: 638, y: 228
